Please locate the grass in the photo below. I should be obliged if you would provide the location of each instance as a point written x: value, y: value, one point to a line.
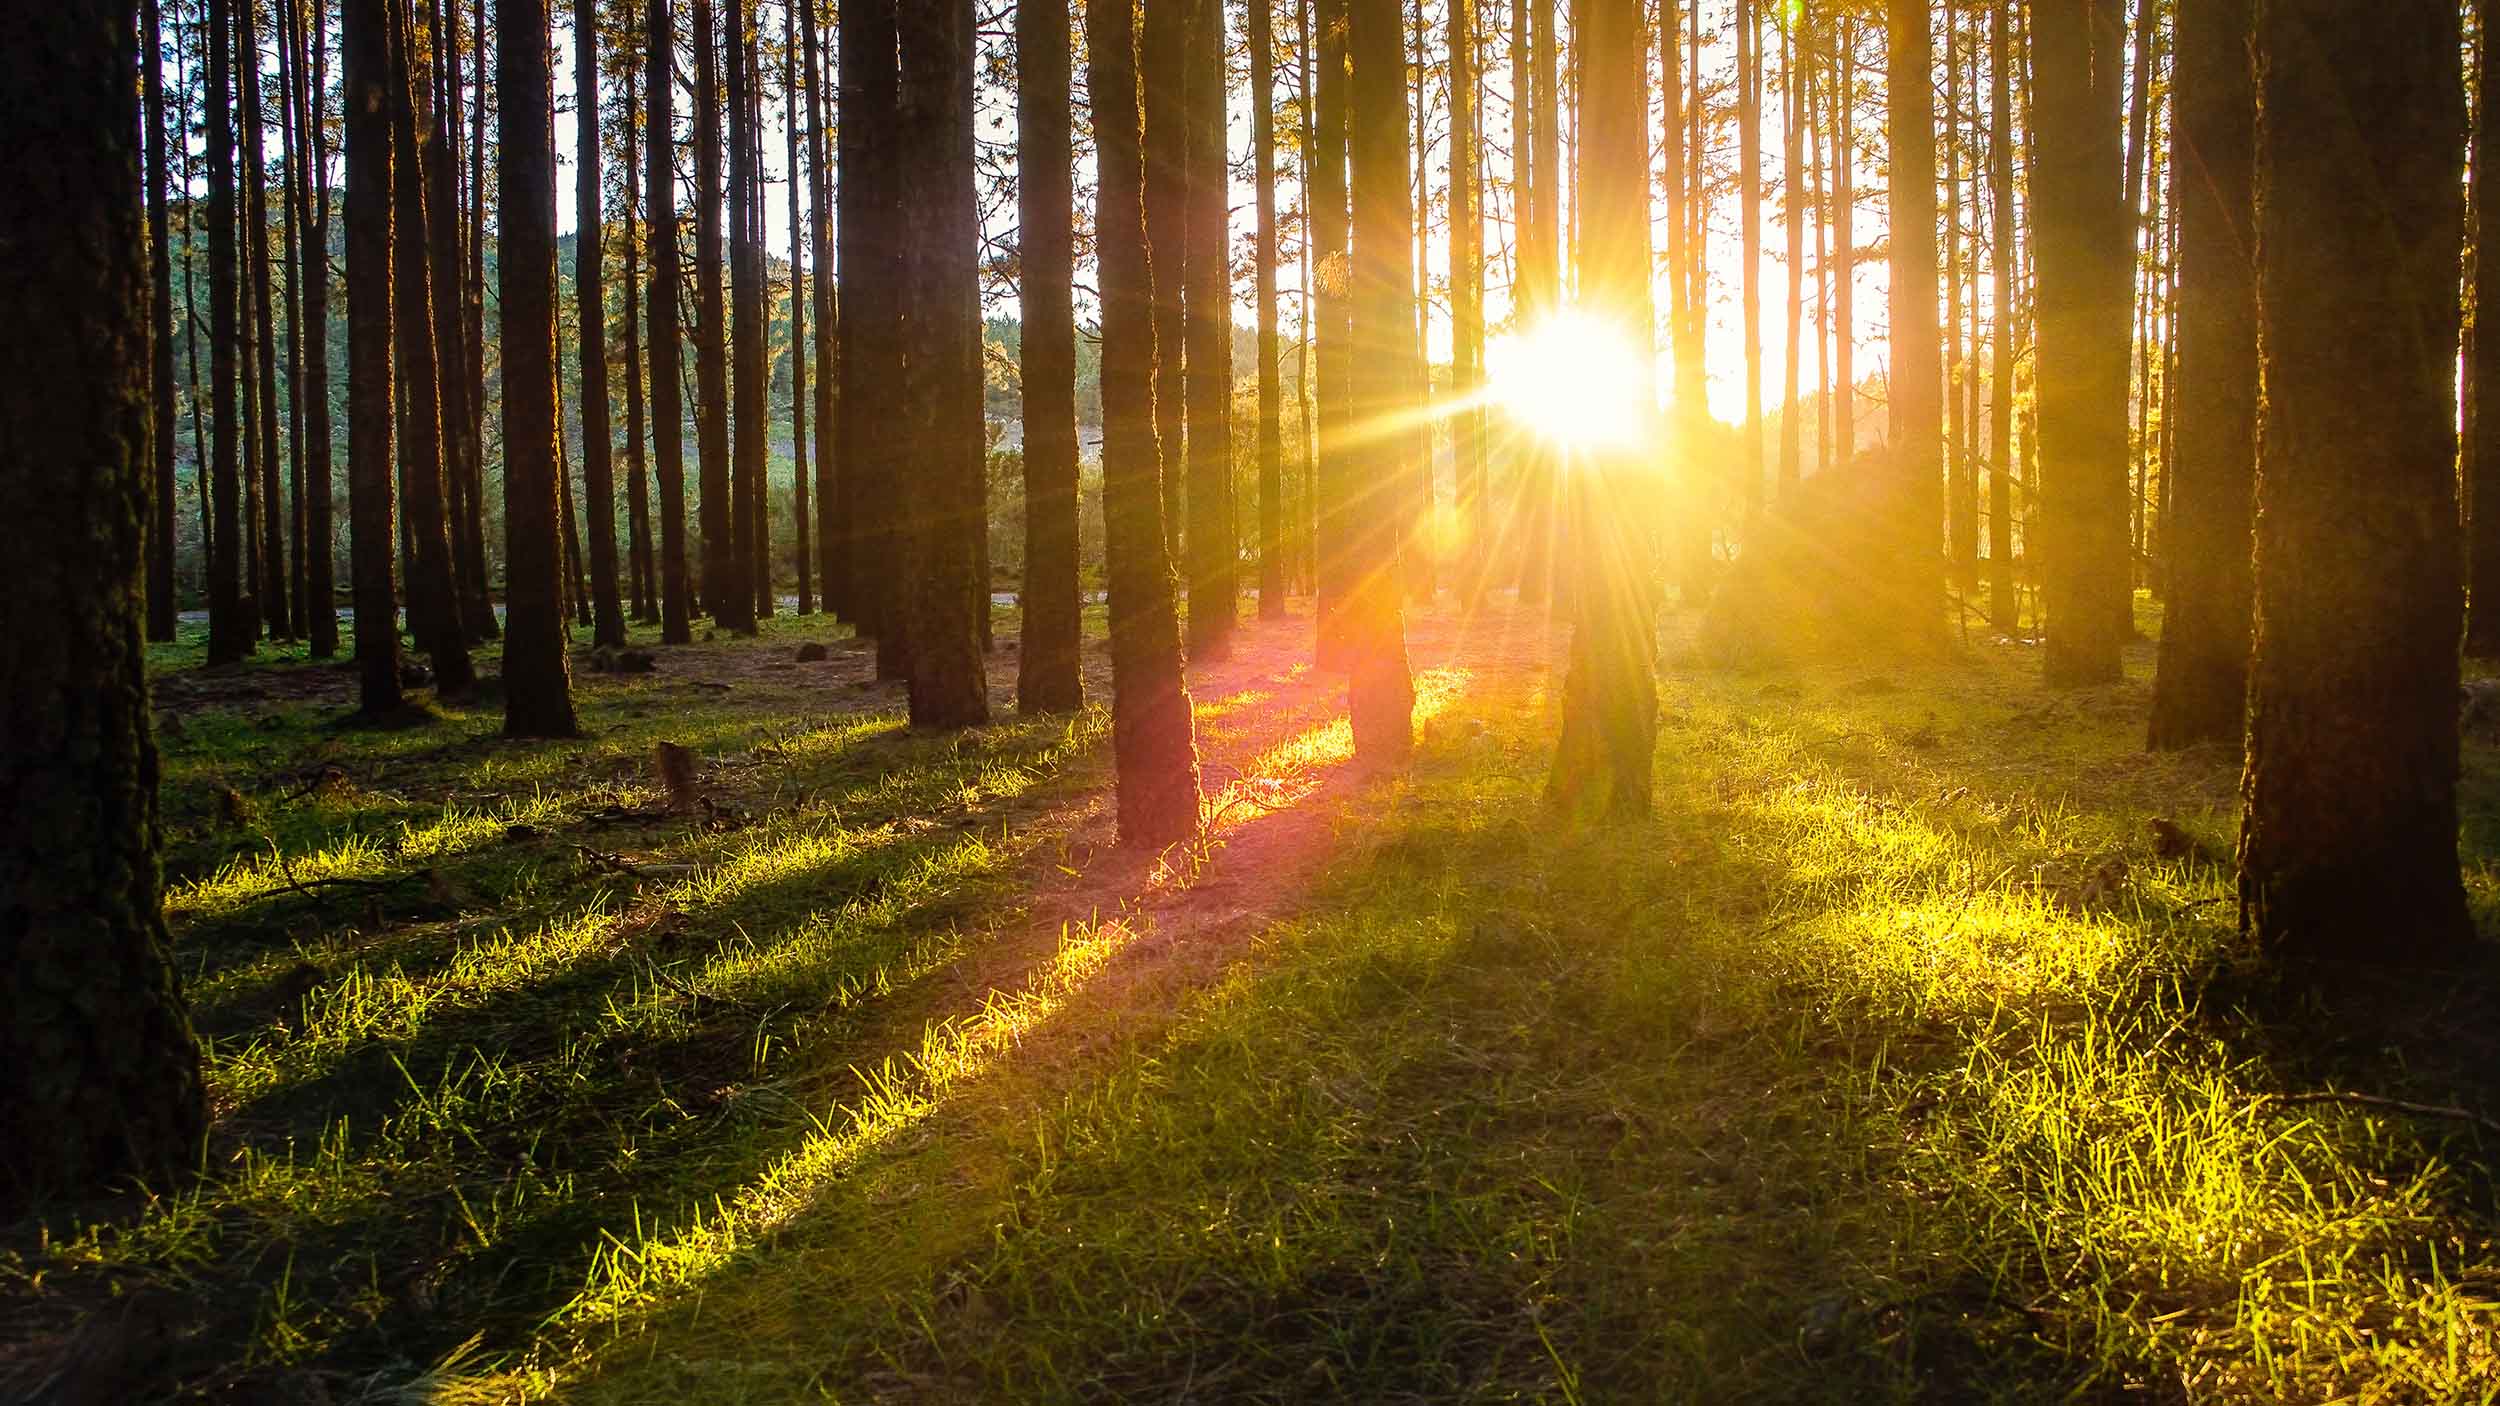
x: 1890, y: 1062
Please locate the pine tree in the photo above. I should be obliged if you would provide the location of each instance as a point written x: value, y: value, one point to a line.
x: 2200, y: 693
x: 1271, y: 428
x: 372, y: 535
x: 230, y: 634
x: 1915, y: 475
x: 2482, y: 450
x: 1153, y: 736
x: 871, y: 365
x: 790, y: 100
x: 104, y: 1075
x: 160, y: 524
x: 1332, y: 336
x: 1049, y: 673
x: 590, y: 294
x: 1207, y: 295
x: 1380, y: 692
x: 1163, y: 59
x: 726, y: 595
x: 2003, y: 606
x: 830, y: 512
x: 749, y: 403
x: 668, y: 415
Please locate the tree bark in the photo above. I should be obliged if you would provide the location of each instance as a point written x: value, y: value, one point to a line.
x: 1380, y: 692
x: 2348, y: 848
x: 1466, y: 301
x: 1153, y: 736
x: 104, y: 1075
x: 2085, y: 253
x: 870, y: 251
x: 269, y: 584
x: 230, y: 634
x: 1049, y: 668
x: 372, y: 536
x: 1271, y: 426
x: 1333, y: 350
x: 643, y: 569
x: 160, y: 523
x: 1602, y: 763
x: 538, y: 695
x: 2004, y: 608
x: 802, y: 524
x: 1208, y: 327
x: 726, y: 593
x: 1749, y: 213
x: 607, y: 613
x: 1916, y: 471
x: 668, y: 415
x: 2200, y: 693
x: 2482, y: 451
x: 831, y: 511
x: 1163, y: 56
x: 461, y: 390
x: 320, y: 559
x: 750, y: 405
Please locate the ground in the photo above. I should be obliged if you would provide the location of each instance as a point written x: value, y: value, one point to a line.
x: 1899, y: 1057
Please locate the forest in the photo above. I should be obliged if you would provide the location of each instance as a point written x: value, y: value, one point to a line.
x: 1248, y: 700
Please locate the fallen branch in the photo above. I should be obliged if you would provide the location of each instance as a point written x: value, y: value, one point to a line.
x: 619, y: 864
x: 309, y: 887
x: 2393, y: 1105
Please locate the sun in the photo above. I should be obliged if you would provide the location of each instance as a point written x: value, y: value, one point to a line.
x: 1572, y: 378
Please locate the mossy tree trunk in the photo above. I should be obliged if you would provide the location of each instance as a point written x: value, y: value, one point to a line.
x: 1380, y: 693
x: 1610, y: 694
x: 1049, y: 668
x: 941, y: 367
x: 2348, y: 848
x: 538, y: 697
x: 1153, y: 735
x: 103, y: 1077
x: 2201, y: 691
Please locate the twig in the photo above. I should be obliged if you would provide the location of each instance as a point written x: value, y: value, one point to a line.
x: 2394, y: 1105
x: 613, y: 863
x: 307, y: 887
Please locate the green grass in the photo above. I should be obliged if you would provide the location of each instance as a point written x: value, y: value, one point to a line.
x: 1888, y: 1063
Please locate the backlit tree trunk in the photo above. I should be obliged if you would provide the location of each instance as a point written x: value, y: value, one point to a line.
x: 230, y: 634
x: 1271, y: 429
x: 463, y: 470
x: 1914, y: 578
x: 749, y: 404
x: 803, y: 525
x: 1163, y: 57
x: 2004, y: 612
x: 372, y: 537
x: 538, y: 698
x: 1380, y: 692
x: 1466, y: 299
x: 726, y: 595
x: 668, y: 414
x: 831, y: 514
x: 2086, y: 254
x: 1749, y: 218
x: 160, y: 524
x: 644, y: 561
x: 320, y: 564
x: 1208, y: 293
x: 1049, y: 675
x: 1153, y: 737
x: 2482, y: 456
x: 590, y: 294
x: 870, y: 251
x: 1333, y: 350
x: 2348, y: 850
x: 1610, y: 695
x: 2201, y: 691
x: 270, y: 582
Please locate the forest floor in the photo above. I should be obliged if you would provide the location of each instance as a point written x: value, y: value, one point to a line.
x: 1899, y: 1057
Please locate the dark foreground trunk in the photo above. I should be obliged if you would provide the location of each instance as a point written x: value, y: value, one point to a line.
x: 1049, y: 676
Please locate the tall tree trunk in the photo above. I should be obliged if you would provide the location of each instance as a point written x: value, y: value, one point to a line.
x: 270, y: 583
x: 831, y: 511
x: 1610, y: 695
x: 538, y: 694
x: 1690, y: 521
x: 104, y: 1075
x: 2482, y: 451
x: 2086, y: 258
x: 297, y: 231
x: 1334, y: 476
x: 643, y: 569
x: 1916, y: 471
x: 1749, y: 211
x: 372, y: 534
x: 941, y: 362
x: 1163, y: 55
x: 1818, y: 128
x: 1206, y: 277
x: 2200, y: 693
x: 475, y: 589
x: 1961, y: 509
x: 460, y: 392
x: 590, y: 294
x: 1845, y: 232
x: 433, y: 610
x: 1271, y: 427
x: 1153, y: 737
x: 1466, y: 300
x: 1793, y: 227
x: 668, y: 415
x: 230, y: 633
x: 1540, y: 292
x: 2348, y: 850
x: 1380, y: 692
x: 320, y: 552
x: 160, y: 520
x: 726, y: 593
x: 750, y: 404
x: 791, y: 96
x: 870, y: 252
x: 2004, y: 609
x: 1049, y: 674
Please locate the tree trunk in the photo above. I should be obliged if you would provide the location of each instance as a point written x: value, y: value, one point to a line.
x: 1164, y: 63
x: 1153, y: 737
x: 320, y: 562
x: 870, y: 251
x: 269, y: 584
x: 2085, y: 252
x: 1540, y: 291
x: 461, y: 392
x: 2348, y: 850
x: 1917, y: 465
x: 941, y: 361
x: 538, y: 695
x: 831, y: 511
x: 726, y: 594
x: 433, y: 610
x: 160, y: 521
x: 2004, y: 613
x: 1333, y: 350
x: 2482, y: 451
x: 644, y: 566
x: 1845, y: 234
x: 1380, y: 692
x: 750, y: 404
x: 1793, y: 227
x: 1749, y: 212
x: 591, y: 298
x: 1049, y: 668
x: 1206, y: 276
x: 1466, y: 301
x: 2200, y: 693
x: 104, y: 1075
x: 372, y: 536
x: 668, y: 414
x: 297, y: 230
x: 230, y: 634
x: 791, y: 95
x: 1961, y: 508
x: 1610, y: 696
x: 1271, y: 427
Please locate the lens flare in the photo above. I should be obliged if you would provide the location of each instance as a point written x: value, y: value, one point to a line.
x: 1572, y: 378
